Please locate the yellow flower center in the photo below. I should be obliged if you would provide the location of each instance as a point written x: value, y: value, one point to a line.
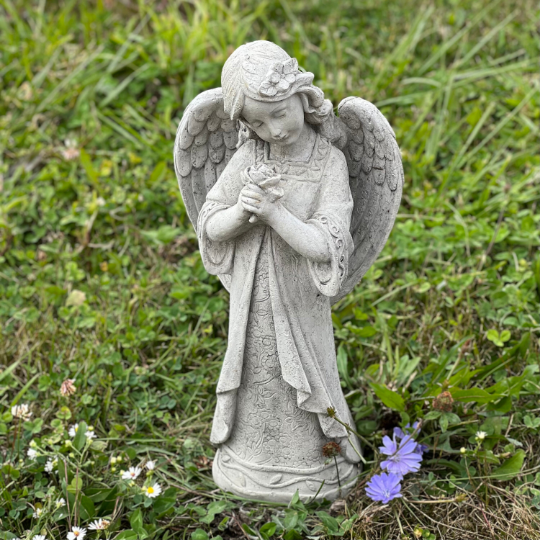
x: 76, y: 533
x: 150, y: 490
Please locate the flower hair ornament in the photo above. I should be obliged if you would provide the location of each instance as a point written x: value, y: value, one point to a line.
x: 263, y: 71
x: 279, y: 78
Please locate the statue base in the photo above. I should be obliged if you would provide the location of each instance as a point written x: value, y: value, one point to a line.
x: 279, y: 484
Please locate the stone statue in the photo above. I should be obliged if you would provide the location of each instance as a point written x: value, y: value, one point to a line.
x: 292, y: 205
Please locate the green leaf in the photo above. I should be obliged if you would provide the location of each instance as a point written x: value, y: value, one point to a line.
x: 474, y: 394
x: 75, y: 485
x: 448, y: 418
x: 199, y: 534
x: 127, y: 535
x: 247, y: 529
x: 80, y: 437
x: 88, y: 510
x: 214, y: 508
x: 329, y: 522
x: 293, y: 535
x: 157, y: 173
x: 136, y: 520
x: 163, y: 504
x: 343, y: 364
x: 268, y: 529
x: 510, y: 468
x: 366, y: 331
x: 86, y: 162
x: 390, y: 398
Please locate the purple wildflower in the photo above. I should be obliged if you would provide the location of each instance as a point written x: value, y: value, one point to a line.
x: 403, y: 457
x: 384, y: 487
x: 398, y: 432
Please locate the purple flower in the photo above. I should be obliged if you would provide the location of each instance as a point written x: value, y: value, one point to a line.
x: 384, y: 487
x: 398, y: 432
x: 402, y: 456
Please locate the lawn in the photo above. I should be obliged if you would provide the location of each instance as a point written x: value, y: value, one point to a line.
x: 101, y: 281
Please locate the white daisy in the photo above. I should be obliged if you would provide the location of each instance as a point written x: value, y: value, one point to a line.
x: 37, y: 513
x: 49, y: 466
x: 90, y: 435
x: 76, y: 533
x: 99, y: 525
x: 21, y: 411
x: 481, y: 435
x: 132, y: 474
x: 39, y: 537
x: 32, y: 454
x: 150, y: 465
x: 60, y: 502
x: 152, y: 491
x: 73, y: 430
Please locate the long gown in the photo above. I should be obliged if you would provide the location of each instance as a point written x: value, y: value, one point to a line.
x: 279, y: 374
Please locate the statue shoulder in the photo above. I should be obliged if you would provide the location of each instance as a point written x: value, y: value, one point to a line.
x: 243, y: 157
x: 336, y: 166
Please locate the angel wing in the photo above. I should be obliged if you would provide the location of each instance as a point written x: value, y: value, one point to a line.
x: 376, y: 181
x: 205, y: 142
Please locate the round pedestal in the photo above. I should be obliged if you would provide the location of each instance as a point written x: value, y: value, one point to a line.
x: 279, y: 484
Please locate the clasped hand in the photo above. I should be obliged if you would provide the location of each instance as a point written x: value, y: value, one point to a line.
x: 258, y: 202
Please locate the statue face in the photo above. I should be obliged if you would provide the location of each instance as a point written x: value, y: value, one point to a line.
x: 278, y: 122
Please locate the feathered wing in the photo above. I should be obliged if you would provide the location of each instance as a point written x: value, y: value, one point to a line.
x: 205, y: 142
x: 376, y: 181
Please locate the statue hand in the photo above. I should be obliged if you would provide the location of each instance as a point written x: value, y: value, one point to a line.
x: 262, y: 204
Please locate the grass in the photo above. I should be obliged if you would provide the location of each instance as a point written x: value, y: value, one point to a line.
x: 101, y: 281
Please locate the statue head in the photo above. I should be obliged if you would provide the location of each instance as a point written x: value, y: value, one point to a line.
x: 263, y: 72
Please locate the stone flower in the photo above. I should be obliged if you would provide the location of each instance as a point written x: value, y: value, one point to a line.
x: 279, y: 78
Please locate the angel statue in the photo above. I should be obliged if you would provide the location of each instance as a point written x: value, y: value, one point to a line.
x: 292, y: 204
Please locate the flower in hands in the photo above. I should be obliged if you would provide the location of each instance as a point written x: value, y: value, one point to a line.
x: 131, y: 474
x: 384, y: 487
x: 76, y: 533
x: 402, y: 456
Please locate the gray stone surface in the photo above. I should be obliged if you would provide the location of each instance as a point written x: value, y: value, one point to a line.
x: 292, y: 205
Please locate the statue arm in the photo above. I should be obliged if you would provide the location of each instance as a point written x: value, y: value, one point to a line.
x: 232, y: 219
x: 305, y: 238
x: 228, y: 223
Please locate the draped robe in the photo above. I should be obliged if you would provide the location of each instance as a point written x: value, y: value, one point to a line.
x: 317, y: 192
